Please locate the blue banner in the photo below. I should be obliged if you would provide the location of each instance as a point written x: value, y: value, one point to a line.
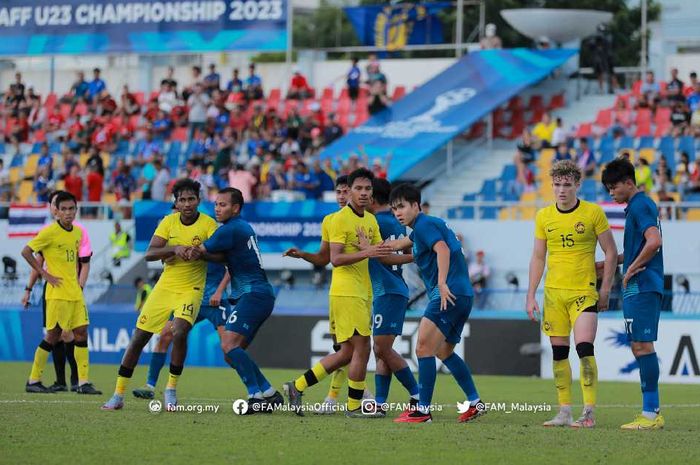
x: 394, y: 26
x: 278, y: 225
x: 427, y: 118
x: 43, y: 27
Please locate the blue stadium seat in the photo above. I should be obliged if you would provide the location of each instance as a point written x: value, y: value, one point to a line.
x: 667, y: 147
x: 625, y: 142
x: 488, y: 190
x: 645, y: 142
x: 122, y: 147
x: 488, y: 213
x: 589, y: 190
x: 17, y: 160
x: 509, y: 173
x: 2, y: 148
x: 36, y: 147
x: 687, y: 144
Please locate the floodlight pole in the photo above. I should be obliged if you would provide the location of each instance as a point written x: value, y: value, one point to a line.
x: 644, y: 38
x: 288, y: 55
x: 52, y: 74
x: 459, y: 33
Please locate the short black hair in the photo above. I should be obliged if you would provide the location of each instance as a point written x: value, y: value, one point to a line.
x: 54, y: 194
x: 381, y: 190
x: 618, y: 170
x: 341, y: 180
x: 236, y: 195
x: 693, y: 74
x: 360, y: 173
x: 64, y: 196
x: 186, y: 184
x: 137, y: 281
x: 405, y: 191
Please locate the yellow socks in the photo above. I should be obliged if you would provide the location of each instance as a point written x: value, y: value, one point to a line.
x: 589, y: 380
x: 41, y: 355
x: 314, y: 375
x: 355, y: 391
x: 562, y: 380
x: 122, y: 384
x: 337, y: 380
x: 82, y: 359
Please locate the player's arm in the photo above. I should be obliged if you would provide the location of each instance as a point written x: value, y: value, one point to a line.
x: 28, y: 255
x: 320, y: 258
x: 607, y: 243
x: 339, y: 258
x: 652, y: 236
x: 84, y: 271
x: 443, y: 263
x: 392, y: 259
x: 158, y: 249
x: 536, y: 270
x: 215, y: 299
x: 403, y: 243
x: 33, y: 276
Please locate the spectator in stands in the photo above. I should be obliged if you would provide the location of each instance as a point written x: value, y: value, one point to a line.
x: 524, y: 155
x: 378, y: 100
x: 663, y: 179
x: 694, y: 179
x: 253, y: 84
x: 95, y: 159
x: 380, y: 170
x: 96, y: 86
x: 159, y: 189
x: 95, y: 183
x: 425, y: 207
x: 54, y: 124
x: 5, y: 184
x: 650, y: 88
x: 169, y: 79
x: 585, y: 159
x: 289, y: 146
x: 562, y: 153
x: 681, y: 177
x: 353, y: 81
x: 242, y: 180
x: 674, y: 87
x: 276, y: 179
x: 123, y: 183
x: 18, y: 86
x: 375, y: 77
x: 198, y: 103
x: 73, y: 183
x: 603, y: 65
x: 479, y: 273
x: 167, y: 97
x: 42, y: 184
x: 695, y: 122
x: 559, y: 134
x: 79, y: 90
x: 490, y: 39
x: 694, y: 98
x: 105, y: 104
x: 644, y: 176
x: 332, y: 131
x: 13, y: 101
x: 690, y: 88
x: 194, y: 81
x: 235, y: 84
x: 298, y: 87
x: 325, y: 182
x: 121, y: 244
x: 148, y: 174
x: 304, y: 181
x: 37, y: 114
x: 238, y: 122
x: 212, y: 81
x: 162, y: 126
x: 129, y: 104
x: 543, y: 132
x: 46, y: 158
x: 680, y: 119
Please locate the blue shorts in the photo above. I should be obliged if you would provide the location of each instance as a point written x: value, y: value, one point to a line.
x: 451, y: 321
x: 249, y: 314
x: 388, y: 313
x: 216, y: 315
x: 641, y: 312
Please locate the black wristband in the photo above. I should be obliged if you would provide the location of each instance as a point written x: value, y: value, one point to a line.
x: 27, y: 288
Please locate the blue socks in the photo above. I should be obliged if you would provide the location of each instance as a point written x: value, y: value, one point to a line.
x: 241, y: 362
x: 649, y: 377
x: 157, y: 362
x: 406, y: 378
x: 263, y: 383
x: 427, y: 372
x: 460, y: 372
x: 381, y: 384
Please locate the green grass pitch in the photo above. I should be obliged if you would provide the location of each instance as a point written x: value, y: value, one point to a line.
x: 68, y: 428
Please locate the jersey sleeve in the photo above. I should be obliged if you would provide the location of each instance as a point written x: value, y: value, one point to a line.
x: 539, y: 226
x: 85, y: 247
x: 336, y: 233
x: 41, y: 241
x: 221, y: 240
x: 376, y: 238
x: 163, y: 229
x: 647, y: 216
x: 600, y: 221
x: 324, y: 228
x: 212, y: 226
x: 428, y: 234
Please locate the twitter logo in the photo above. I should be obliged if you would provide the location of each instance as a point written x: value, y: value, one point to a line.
x: 462, y: 407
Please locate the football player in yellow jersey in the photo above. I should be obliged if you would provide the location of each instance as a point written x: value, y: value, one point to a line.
x: 349, y: 301
x: 566, y: 234
x: 59, y: 243
x: 178, y: 291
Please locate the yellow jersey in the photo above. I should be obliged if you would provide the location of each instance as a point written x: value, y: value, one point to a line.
x: 571, y: 241
x: 325, y: 224
x: 544, y: 131
x: 352, y: 280
x: 60, y: 247
x: 180, y: 275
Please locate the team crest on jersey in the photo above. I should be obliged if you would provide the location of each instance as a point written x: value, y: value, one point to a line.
x: 580, y: 228
x: 77, y: 244
x: 196, y: 241
x: 143, y: 319
x: 547, y: 326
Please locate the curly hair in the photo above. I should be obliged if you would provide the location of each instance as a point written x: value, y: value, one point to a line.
x: 566, y: 169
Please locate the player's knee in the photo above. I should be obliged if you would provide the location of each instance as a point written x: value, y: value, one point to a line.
x: 640, y: 349
x: 584, y: 349
x: 560, y: 352
x: 80, y: 334
x: 445, y: 352
x: 424, y: 350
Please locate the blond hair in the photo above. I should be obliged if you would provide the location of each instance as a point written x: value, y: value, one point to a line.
x: 566, y: 169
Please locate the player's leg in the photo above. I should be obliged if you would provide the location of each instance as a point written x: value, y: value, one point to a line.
x: 69, y: 342
x: 59, y: 364
x: 585, y: 328
x: 158, y: 356
x: 180, y: 329
x: 357, y: 370
x: 82, y: 359
x: 339, y: 376
x: 641, y: 312
x: 126, y: 369
x: 557, y: 325
x: 41, y: 356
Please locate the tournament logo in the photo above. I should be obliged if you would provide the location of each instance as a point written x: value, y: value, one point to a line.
x: 196, y: 241
x: 580, y: 228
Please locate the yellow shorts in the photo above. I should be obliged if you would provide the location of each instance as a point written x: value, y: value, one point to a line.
x: 164, y: 302
x: 562, y: 307
x: 68, y: 314
x: 350, y: 315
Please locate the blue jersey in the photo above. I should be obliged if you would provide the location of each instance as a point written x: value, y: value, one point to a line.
x: 641, y: 214
x: 215, y: 273
x: 427, y: 231
x: 237, y: 240
x: 387, y: 279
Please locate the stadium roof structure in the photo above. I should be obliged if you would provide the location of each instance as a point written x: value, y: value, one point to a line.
x: 432, y: 115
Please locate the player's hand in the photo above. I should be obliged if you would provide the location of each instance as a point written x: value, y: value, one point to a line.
x: 169, y: 260
x: 181, y: 251
x: 630, y: 274
x: 293, y: 252
x: 362, y: 239
x: 379, y: 250
x: 603, y: 300
x: 194, y: 253
x: 599, y: 267
x: 51, y: 279
x: 25, y: 299
x: 533, y: 308
x: 446, y: 296
x: 215, y: 299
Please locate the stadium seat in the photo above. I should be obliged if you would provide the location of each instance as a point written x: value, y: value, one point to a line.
x: 645, y: 142
x: 51, y: 100
x: 180, y: 134
x: 693, y: 214
x: 30, y: 165
x: 649, y: 154
x: 584, y: 130
x: 604, y: 118
x: 26, y: 191
x: 139, y: 96
x: 557, y: 101
x: 399, y: 93
x: 687, y: 144
x: 637, y: 88
x: 663, y: 115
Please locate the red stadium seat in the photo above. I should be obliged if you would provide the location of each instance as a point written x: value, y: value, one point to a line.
x: 80, y: 109
x: 154, y: 95
x: 180, y: 134
x: 557, y: 101
x: 643, y: 128
x: 584, y: 130
x: 139, y: 98
x: 51, y: 100
x: 399, y: 93
x: 536, y: 101
x: 663, y: 115
x: 637, y: 88
x: 643, y: 116
x: 662, y: 129
x: 604, y: 118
